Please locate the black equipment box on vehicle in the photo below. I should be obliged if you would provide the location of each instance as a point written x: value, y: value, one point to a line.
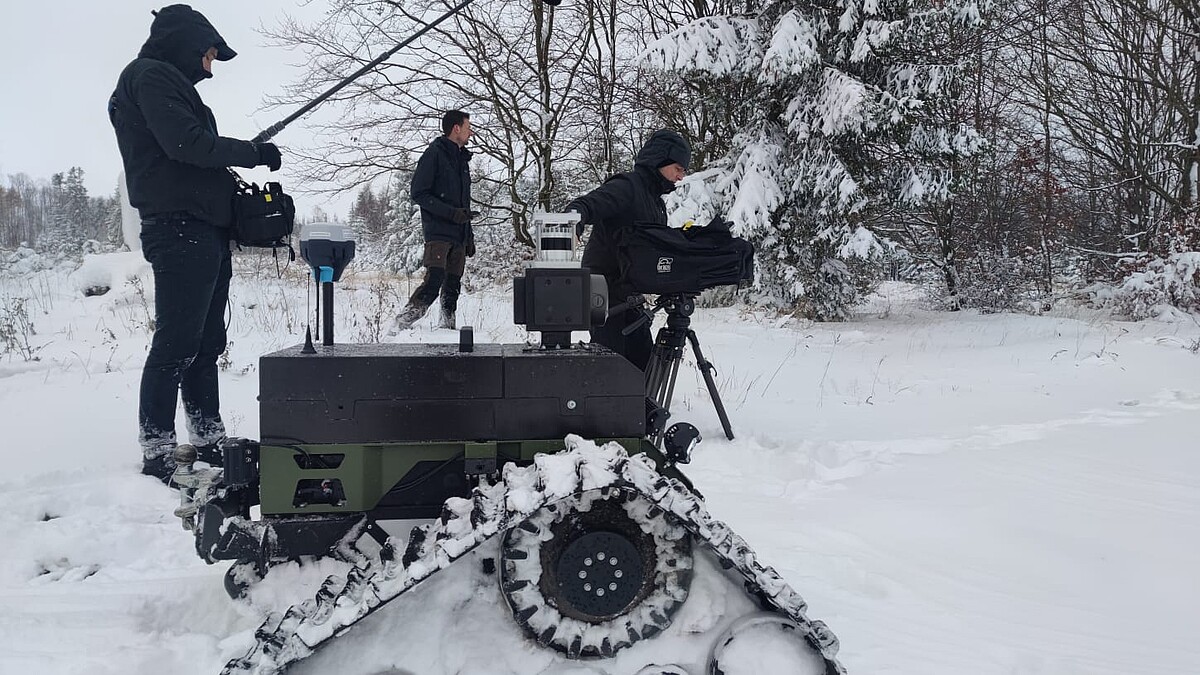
x: 388, y: 393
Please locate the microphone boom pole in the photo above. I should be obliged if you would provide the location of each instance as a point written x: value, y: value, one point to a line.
x: 270, y: 132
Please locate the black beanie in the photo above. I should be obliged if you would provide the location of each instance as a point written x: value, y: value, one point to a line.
x: 665, y: 147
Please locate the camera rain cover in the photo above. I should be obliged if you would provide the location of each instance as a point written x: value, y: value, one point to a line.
x: 659, y: 259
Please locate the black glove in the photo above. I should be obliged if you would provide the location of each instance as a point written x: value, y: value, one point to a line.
x: 471, y: 247
x: 268, y: 156
x: 460, y: 216
x: 579, y: 225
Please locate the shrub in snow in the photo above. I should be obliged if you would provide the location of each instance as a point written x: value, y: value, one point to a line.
x: 1171, y: 282
x: 24, y: 261
x: 16, y: 330
x: 996, y: 283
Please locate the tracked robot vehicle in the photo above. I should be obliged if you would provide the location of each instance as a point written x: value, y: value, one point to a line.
x: 595, y: 543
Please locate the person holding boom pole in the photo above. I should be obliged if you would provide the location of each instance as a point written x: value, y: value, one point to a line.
x: 176, y: 166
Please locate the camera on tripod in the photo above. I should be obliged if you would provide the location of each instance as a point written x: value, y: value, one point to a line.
x: 677, y: 264
x: 556, y: 296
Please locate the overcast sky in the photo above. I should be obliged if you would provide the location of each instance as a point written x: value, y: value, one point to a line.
x: 61, y: 61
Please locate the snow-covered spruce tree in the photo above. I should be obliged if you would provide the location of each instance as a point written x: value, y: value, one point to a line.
x: 113, y: 237
x: 838, y: 94
x: 403, y: 243
x: 933, y: 215
x: 70, y: 212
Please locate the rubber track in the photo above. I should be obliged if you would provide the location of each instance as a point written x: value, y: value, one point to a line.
x: 288, y: 637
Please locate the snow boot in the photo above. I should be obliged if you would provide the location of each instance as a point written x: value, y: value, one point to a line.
x: 410, y: 315
x: 161, y: 466
x: 450, y: 291
x: 447, y: 318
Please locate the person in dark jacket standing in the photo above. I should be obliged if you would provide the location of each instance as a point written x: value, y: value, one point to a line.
x: 628, y: 200
x: 441, y: 186
x: 177, y: 177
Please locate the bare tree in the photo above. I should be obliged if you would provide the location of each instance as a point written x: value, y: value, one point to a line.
x: 1120, y: 83
x: 516, y: 68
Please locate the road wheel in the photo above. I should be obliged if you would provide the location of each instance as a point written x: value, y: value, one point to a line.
x: 596, y: 572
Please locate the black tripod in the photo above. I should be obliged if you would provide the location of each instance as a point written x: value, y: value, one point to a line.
x: 663, y: 367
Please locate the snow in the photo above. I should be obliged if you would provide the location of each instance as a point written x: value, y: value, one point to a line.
x: 861, y: 243
x: 873, y: 37
x: 1162, y: 289
x: 793, y: 48
x: 764, y: 645
x: 111, y: 270
x: 952, y: 493
x: 717, y: 45
x: 841, y: 103
x: 757, y: 189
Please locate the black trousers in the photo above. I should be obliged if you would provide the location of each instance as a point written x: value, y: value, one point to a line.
x: 444, y: 266
x: 636, y: 346
x: 192, y: 267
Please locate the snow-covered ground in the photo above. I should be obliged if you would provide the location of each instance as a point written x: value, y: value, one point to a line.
x: 954, y: 494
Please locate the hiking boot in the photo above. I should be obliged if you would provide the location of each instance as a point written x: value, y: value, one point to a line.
x: 161, y: 467
x: 449, y: 303
x: 410, y: 315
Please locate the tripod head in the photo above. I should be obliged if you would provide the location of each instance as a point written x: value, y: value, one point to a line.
x: 678, y: 306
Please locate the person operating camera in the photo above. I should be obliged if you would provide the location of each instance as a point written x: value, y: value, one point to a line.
x: 177, y: 177
x: 629, y: 199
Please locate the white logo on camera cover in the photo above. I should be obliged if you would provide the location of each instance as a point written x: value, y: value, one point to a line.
x: 664, y: 265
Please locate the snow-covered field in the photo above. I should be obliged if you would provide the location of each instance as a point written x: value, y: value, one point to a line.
x: 954, y: 494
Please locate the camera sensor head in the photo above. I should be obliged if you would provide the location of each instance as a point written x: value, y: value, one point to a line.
x: 555, y: 240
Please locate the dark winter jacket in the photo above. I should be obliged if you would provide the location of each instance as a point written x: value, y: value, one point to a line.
x: 628, y: 199
x: 174, y: 159
x: 440, y: 185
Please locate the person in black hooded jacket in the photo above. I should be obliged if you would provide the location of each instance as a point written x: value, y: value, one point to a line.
x: 627, y: 200
x: 176, y: 171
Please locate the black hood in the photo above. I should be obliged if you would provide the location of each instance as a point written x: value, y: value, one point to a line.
x: 662, y: 148
x: 180, y: 35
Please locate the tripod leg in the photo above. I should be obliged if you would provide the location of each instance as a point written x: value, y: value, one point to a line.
x: 669, y: 391
x: 706, y: 368
x: 656, y: 413
x: 655, y: 375
x: 661, y: 371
